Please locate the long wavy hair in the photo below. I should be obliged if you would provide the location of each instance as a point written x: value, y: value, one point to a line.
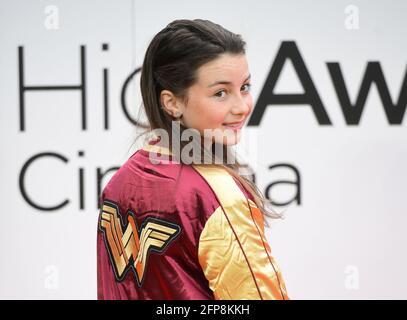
x: 171, y: 62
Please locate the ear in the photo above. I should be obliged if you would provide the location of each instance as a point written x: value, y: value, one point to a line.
x: 169, y: 103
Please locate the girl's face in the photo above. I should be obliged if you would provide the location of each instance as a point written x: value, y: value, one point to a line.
x: 221, y: 97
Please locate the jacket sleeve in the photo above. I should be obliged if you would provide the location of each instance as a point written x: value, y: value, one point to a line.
x: 109, y: 255
x: 233, y: 251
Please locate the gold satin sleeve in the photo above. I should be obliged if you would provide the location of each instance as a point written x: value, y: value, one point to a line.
x: 233, y: 251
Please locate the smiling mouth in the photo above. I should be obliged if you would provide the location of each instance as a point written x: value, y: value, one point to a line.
x: 234, y: 126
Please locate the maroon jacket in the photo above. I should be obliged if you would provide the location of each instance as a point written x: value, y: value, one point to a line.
x: 176, y: 231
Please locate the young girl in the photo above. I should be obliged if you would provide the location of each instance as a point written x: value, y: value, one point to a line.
x: 176, y: 226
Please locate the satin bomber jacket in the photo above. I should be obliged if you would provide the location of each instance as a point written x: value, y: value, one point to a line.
x: 167, y: 230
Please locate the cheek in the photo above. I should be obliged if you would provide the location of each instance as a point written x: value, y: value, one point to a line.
x: 211, y: 115
x: 249, y: 102
x: 217, y: 117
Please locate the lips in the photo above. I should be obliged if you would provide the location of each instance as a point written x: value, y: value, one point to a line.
x: 234, y: 125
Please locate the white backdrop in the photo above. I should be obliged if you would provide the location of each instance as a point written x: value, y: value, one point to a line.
x: 344, y: 233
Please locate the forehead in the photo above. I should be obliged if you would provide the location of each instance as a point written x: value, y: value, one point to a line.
x: 226, y: 67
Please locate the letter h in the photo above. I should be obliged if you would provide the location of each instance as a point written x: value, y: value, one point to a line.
x: 23, y: 87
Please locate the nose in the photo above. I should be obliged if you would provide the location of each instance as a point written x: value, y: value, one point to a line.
x: 241, y: 105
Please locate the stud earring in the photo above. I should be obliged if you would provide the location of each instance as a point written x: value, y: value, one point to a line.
x: 177, y: 114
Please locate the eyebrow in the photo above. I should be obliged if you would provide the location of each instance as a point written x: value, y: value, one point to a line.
x: 226, y: 82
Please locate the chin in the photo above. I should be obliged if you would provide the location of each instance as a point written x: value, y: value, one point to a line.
x: 232, y: 143
x: 230, y: 138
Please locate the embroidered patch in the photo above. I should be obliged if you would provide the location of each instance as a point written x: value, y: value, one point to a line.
x: 128, y: 245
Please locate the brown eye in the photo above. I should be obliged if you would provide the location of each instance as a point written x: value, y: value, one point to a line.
x: 248, y: 86
x: 217, y: 94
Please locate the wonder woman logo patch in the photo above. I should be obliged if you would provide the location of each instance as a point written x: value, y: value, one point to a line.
x: 128, y: 245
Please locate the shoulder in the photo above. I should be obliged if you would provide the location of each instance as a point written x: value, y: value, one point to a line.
x: 163, y: 187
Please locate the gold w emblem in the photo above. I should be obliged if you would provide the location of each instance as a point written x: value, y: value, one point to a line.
x: 131, y: 248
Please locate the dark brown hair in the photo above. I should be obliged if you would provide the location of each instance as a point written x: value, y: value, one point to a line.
x: 171, y: 62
